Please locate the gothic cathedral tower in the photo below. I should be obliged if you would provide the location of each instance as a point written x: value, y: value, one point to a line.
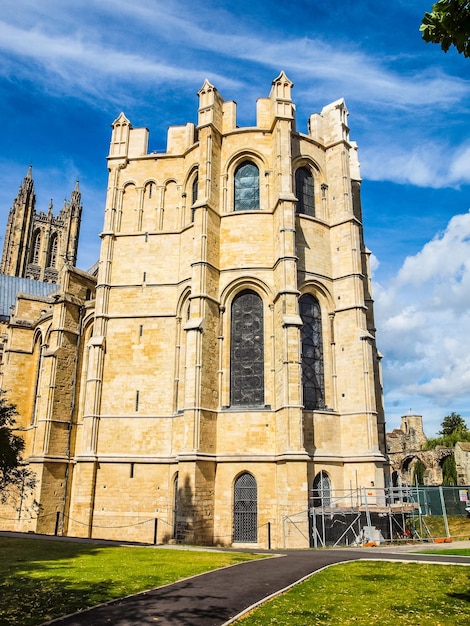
x: 37, y: 245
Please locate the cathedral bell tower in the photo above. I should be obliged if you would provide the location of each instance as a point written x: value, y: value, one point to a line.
x: 37, y: 245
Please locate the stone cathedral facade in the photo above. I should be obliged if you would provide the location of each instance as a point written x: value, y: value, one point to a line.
x: 224, y: 369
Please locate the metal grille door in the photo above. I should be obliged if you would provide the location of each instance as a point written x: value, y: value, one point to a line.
x: 245, y: 520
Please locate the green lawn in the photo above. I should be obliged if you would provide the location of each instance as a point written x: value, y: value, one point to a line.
x: 370, y: 593
x: 43, y: 579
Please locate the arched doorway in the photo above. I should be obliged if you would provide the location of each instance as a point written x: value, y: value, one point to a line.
x: 245, y: 509
x: 321, y: 490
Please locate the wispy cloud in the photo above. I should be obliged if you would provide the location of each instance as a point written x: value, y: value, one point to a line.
x: 158, y: 45
x: 425, y: 164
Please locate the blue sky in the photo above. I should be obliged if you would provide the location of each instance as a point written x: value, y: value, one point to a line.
x: 68, y: 69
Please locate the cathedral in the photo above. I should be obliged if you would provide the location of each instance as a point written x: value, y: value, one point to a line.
x: 219, y: 369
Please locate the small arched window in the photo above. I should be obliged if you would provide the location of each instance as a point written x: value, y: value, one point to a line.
x: 36, y: 247
x: 304, y: 192
x: 247, y: 351
x: 245, y: 509
x: 312, y: 353
x: 246, y: 185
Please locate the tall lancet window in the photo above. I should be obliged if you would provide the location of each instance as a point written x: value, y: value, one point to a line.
x: 304, y: 192
x: 313, y: 383
x: 36, y: 247
x: 247, y: 351
x: 52, y: 256
x: 194, y: 191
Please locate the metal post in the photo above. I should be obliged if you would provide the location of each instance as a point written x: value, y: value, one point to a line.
x: 155, y: 530
x: 369, y: 524
x: 444, y: 512
x: 57, y: 518
x: 269, y: 535
x: 315, y: 539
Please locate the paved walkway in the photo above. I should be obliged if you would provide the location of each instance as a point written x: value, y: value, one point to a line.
x: 215, y: 598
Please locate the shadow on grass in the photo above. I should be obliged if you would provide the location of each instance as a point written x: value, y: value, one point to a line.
x: 460, y: 596
x: 36, y: 582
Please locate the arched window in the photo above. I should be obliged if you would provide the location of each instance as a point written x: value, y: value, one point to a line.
x: 247, y: 351
x: 194, y: 191
x: 246, y: 187
x: 245, y: 509
x: 36, y: 247
x: 304, y: 192
x: 321, y: 490
x: 52, y: 254
x: 313, y: 383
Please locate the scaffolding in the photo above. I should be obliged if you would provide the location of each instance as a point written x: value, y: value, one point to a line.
x: 369, y: 516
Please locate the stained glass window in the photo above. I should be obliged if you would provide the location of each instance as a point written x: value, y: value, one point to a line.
x: 246, y: 187
x: 247, y: 351
x: 312, y: 353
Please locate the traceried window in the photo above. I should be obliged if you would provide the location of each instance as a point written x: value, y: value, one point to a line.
x: 304, y: 192
x: 247, y: 351
x: 52, y: 255
x: 245, y: 509
x: 312, y: 353
x: 246, y: 187
x: 36, y: 247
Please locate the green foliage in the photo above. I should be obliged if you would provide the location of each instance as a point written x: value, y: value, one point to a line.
x: 418, y: 473
x: 448, y: 24
x: 453, y: 430
x: 449, y: 471
x: 16, y: 480
x: 41, y: 580
x: 365, y: 593
x: 453, y: 423
x: 448, y: 441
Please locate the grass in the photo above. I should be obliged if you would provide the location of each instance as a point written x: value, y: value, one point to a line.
x: 41, y: 580
x: 366, y: 593
x: 459, y: 526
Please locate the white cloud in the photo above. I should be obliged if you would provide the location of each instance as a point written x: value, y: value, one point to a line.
x: 423, y: 317
x: 424, y: 164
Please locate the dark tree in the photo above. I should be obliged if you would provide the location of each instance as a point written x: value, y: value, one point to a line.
x: 449, y: 471
x: 448, y: 24
x: 453, y: 423
x: 16, y: 480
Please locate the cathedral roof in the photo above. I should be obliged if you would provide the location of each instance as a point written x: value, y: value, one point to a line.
x: 11, y: 286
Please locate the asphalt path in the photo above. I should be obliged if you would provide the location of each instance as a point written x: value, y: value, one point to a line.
x: 216, y: 598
